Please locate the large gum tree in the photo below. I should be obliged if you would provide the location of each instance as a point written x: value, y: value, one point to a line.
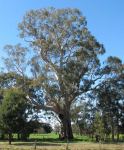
x: 65, y: 63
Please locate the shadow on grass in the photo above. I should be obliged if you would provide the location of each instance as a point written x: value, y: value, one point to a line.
x: 44, y: 141
x: 37, y: 143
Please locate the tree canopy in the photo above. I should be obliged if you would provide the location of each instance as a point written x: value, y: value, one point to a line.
x: 66, y: 61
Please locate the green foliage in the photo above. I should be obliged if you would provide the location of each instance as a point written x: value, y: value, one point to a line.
x: 13, y: 110
x: 110, y: 96
x: 16, y: 59
x: 99, y: 127
x: 65, y: 58
x: 47, y: 128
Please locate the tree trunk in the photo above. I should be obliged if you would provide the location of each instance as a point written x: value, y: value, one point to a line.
x: 69, y: 133
x: 118, y: 132
x: 2, y: 136
x: 10, y: 138
x: 118, y: 137
x: 18, y: 136
x: 112, y: 130
x: 66, y: 125
x: 117, y: 125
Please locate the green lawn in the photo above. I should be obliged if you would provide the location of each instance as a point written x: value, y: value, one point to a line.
x: 53, y: 136
x: 44, y: 136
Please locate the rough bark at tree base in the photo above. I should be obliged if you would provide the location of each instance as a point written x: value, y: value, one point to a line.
x: 66, y: 129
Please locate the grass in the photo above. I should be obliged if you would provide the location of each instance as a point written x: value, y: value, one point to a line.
x: 44, y: 136
x: 55, y: 137
x: 59, y: 146
x: 51, y: 142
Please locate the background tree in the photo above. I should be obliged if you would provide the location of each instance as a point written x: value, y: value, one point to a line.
x: 16, y: 59
x: 13, y: 113
x: 82, y: 117
x: 110, y: 96
x: 98, y: 127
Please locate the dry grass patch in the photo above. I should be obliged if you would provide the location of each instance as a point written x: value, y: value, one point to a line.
x: 60, y: 146
x: 96, y: 146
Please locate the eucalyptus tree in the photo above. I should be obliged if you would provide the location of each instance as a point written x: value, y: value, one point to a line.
x: 110, y: 95
x: 16, y: 66
x: 16, y: 59
x: 65, y: 62
x: 82, y: 115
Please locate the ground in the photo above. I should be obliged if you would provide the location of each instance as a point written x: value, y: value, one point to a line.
x: 51, y: 142
x: 59, y: 146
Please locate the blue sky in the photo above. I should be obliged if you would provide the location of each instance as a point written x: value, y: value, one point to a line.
x: 105, y: 20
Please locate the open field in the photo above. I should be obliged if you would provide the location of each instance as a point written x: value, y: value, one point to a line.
x: 59, y: 146
x: 51, y: 142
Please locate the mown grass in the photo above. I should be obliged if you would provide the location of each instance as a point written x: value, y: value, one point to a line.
x: 52, y: 135
x: 55, y: 137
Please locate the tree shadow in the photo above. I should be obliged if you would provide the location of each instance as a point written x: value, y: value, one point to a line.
x: 37, y: 143
x: 51, y: 140
x: 57, y: 140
